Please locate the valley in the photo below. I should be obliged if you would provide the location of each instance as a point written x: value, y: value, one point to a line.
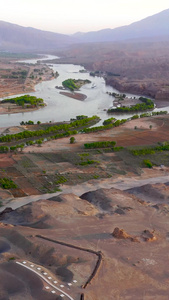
x: 84, y: 162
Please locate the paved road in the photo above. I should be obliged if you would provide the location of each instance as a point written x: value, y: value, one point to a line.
x: 92, y: 185
x: 45, y: 279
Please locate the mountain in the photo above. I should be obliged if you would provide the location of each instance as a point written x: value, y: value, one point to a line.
x: 18, y: 38
x: 153, y: 26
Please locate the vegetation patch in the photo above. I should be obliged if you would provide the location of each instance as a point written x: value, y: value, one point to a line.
x: 59, y: 131
x: 144, y: 151
x: 6, y: 183
x: 26, y: 99
x: 73, y: 84
x: 105, y: 144
x: 147, y: 163
x: 88, y: 162
x: 147, y: 104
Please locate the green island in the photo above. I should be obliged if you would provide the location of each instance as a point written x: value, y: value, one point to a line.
x: 74, y: 84
x: 26, y: 101
x: 147, y: 104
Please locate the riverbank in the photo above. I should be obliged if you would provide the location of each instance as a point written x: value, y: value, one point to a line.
x: 21, y: 78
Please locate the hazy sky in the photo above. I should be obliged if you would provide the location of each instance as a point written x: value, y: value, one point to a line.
x: 70, y: 16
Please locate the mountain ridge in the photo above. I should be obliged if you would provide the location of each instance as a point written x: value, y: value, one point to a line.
x: 15, y: 37
x: 139, y: 29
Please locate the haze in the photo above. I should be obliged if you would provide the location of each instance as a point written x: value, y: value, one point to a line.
x: 69, y: 17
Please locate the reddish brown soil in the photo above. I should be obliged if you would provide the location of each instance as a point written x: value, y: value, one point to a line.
x: 77, y: 96
x: 125, y: 135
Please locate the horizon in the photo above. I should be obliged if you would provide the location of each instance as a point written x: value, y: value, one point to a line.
x: 63, y: 18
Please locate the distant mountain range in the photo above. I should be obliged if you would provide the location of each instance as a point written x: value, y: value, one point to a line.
x: 18, y: 38
x: 154, y: 26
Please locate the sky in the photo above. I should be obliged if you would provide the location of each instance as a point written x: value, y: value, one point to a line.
x: 70, y: 16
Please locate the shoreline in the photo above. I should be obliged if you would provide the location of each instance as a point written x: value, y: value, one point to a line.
x: 7, y: 109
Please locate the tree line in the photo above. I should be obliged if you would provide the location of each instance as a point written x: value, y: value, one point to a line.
x: 59, y: 130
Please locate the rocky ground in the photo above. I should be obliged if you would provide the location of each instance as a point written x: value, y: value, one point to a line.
x: 122, y: 217
x: 131, y: 234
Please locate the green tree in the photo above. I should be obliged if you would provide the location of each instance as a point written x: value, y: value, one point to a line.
x: 72, y: 140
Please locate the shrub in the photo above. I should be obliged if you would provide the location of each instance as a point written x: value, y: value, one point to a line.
x: 147, y: 163
x: 72, y: 140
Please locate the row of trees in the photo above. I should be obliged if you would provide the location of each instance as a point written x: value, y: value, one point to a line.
x: 104, y: 144
x: 29, y: 122
x: 154, y: 113
x: 145, y: 151
x: 57, y: 129
x: 104, y: 127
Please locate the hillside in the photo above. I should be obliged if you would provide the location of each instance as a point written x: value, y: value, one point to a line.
x: 18, y: 38
x: 153, y: 26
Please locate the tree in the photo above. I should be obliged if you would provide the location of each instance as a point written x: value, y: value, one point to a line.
x: 72, y: 140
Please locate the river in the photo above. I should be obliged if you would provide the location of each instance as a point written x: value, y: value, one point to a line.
x: 63, y: 108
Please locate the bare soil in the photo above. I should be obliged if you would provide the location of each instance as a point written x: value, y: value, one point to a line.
x: 77, y: 96
x: 93, y: 203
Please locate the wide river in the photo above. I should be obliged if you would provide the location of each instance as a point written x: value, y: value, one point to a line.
x: 62, y: 108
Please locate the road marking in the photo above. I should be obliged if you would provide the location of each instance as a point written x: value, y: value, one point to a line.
x: 38, y: 268
x: 53, y: 292
x: 45, y: 273
x: 49, y: 277
x: 55, y: 281
x: 45, y: 279
x: 32, y: 266
x: 47, y: 287
x: 61, y: 285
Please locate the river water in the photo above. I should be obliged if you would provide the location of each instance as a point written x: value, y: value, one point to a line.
x: 62, y: 108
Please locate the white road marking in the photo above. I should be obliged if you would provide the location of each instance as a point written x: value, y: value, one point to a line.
x: 32, y: 266
x: 55, y: 281
x: 45, y: 279
x: 47, y: 287
x: 53, y: 292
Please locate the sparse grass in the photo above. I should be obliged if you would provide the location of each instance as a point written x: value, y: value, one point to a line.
x: 60, y: 179
x: 11, y: 258
x: 88, y: 162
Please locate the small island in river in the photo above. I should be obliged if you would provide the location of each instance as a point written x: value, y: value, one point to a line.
x: 20, y: 104
x: 72, y: 85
